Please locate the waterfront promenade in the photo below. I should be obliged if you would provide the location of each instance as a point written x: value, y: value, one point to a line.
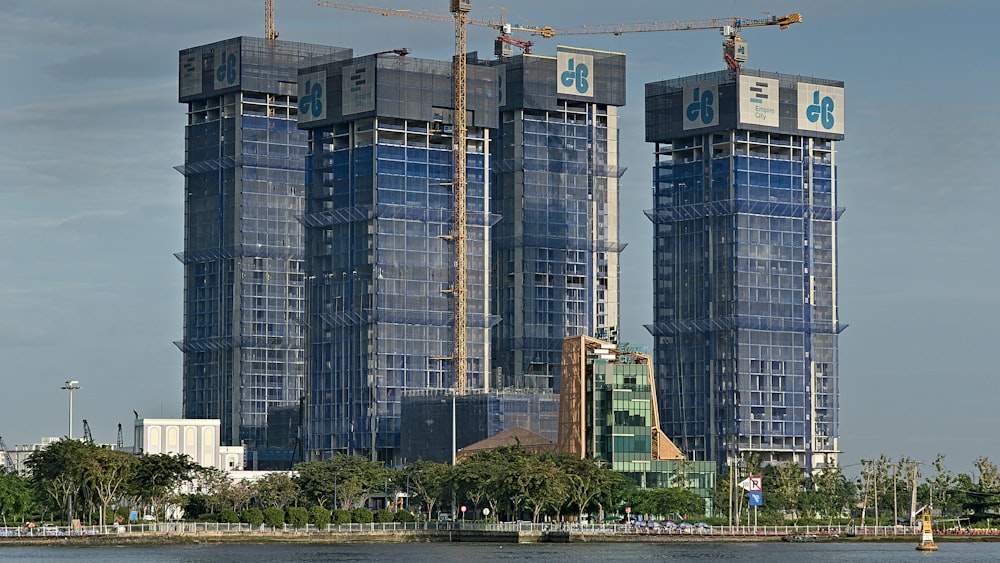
x: 518, y: 532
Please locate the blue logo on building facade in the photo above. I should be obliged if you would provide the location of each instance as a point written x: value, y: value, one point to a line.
x: 311, y: 102
x: 821, y: 111
x: 576, y: 74
x: 701, y: 107
x: 226, y: 72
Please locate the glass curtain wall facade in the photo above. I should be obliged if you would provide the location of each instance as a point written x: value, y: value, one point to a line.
x: 608, y: 411
x: 745, y: 264
x: 243, y: 342
x: 555, y: 271
x: 379, y: 259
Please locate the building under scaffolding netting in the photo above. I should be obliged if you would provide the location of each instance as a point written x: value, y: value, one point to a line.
x: 426, y: 420
x: 745, y: 264
x: 555, y: 253
x: 243, y: 245
x: 379, y: 256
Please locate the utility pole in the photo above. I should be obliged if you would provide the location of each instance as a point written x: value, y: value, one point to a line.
x: 895, y: 512
x: 875, y: 467
x: 864, y: 502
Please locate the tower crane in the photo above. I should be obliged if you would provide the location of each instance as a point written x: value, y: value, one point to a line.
x: 734, y: 48
x: 734, y: 54
x: 502, y: 26
x: 120, y: 444
x: 460, y: 15
x: 87, y: 436
x: 8, y: 462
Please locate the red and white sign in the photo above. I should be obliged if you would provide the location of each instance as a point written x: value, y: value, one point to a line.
x: 754, y: 484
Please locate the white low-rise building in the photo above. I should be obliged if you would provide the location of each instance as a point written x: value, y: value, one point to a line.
x: 196, y: 438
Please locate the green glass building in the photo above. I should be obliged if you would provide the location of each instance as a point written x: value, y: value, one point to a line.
x: 608, y: 411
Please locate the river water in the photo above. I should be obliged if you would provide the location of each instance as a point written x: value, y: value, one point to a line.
x: 461, y: 552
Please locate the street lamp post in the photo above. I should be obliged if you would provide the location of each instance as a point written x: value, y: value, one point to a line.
x: 70, y: 386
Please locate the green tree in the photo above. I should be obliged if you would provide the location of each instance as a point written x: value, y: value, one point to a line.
x: 229, y: 516
x: 156, y: 477
x: 361, y: 515
x: 403, y: 516
x: 675, y: 500
x: 350, y: 478
x: 989, y: 476
x: 55, y: 470
x: 298, y: 516
x: 833, y: 493
x: 107, y: 472
x: 274, y: 517
x: 545, y: 486
x: 357, y: 477
x: 943, y: 482
x: 316, y: 482
x: 382, y: 516
x: 253, y: 516
x: 277, y: 490
x: 15, y: 497
x: 236, y: 494
x: 429, y: 481
x: 585, y: 477
x: 613, y: 489
x: 340, y: 516
x: 319, y: 517
x: 785, y: 485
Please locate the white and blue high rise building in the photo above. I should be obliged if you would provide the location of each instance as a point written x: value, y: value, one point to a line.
x: 745, y: 321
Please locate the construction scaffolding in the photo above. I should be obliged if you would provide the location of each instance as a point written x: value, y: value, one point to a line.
x: 243, y: 173
x: 380, y: 257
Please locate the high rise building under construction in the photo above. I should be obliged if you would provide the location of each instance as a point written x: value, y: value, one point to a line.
x: 243, y: 170
x: 745, y: 218
x: 380, y: 256
x: 555, y: 252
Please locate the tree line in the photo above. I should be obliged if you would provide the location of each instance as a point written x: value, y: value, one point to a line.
x: 508, y: 483
x: 103, y: 485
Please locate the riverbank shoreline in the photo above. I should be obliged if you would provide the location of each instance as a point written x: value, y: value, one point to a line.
x: 437, y: 536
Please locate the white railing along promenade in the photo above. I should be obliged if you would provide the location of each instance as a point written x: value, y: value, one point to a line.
x: 433, y: 526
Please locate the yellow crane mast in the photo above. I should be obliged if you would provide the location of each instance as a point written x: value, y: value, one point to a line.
x: 269, y: 31
x: 460, y: 9
x: 460, y: 14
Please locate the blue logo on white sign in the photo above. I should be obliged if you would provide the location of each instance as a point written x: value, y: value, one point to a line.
x: 821, y: 110
x: 575, y: 74
x: 311, y: 102
x: 700, y: 104
x: 701, y: 107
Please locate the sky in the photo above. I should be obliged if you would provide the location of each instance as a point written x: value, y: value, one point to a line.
x: 91, y: 210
